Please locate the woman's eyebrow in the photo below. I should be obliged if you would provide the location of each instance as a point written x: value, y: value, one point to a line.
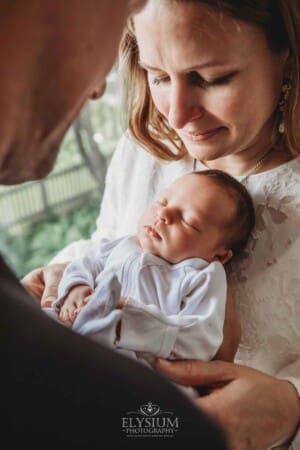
x: 205, y: 65
x: 147, y: 67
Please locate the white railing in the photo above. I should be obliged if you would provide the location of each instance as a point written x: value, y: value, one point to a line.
x: 34, y: 200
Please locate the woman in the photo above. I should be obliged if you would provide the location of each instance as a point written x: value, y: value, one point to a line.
x: 216, y: 84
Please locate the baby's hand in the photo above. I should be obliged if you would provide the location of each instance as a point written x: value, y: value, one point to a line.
x: 76, y: 299
x: 121, y: 303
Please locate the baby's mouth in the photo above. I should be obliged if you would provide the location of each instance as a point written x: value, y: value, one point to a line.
x: 152, y: 232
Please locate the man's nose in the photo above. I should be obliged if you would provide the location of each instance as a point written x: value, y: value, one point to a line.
x: 98, y: 91
x: 185, y: 105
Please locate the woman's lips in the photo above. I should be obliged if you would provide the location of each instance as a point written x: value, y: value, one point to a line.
x: 202, y: 136
x: 152, y: 232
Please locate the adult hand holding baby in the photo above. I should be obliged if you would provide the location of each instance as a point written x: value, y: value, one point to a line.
x: 43, y: 282
x: 258, y: 411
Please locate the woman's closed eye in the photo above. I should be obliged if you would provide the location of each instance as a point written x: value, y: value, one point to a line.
x: 158, y: 80
x: 197, y: 79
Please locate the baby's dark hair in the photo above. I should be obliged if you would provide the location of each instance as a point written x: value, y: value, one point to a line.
x: 244, y: 218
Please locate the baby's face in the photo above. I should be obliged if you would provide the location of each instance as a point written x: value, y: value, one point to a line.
x: 188, y: 220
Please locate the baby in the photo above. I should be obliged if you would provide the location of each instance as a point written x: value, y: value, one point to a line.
x: 162, y: 292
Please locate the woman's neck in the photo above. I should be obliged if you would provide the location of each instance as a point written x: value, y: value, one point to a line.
x: 245, y: 161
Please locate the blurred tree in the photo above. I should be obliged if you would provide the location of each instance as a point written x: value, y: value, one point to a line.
x: 89, y: 148
x: 39, y: 242
x: 92, y: 139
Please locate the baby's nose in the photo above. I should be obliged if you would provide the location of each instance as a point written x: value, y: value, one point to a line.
x: 165, y: 214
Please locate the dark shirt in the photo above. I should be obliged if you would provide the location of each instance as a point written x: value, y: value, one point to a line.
x: 61, y: 390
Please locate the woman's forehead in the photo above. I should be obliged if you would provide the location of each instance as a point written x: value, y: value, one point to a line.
x: 171, y: 32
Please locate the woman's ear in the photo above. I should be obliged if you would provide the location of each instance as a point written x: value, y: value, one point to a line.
x: 223, y: 256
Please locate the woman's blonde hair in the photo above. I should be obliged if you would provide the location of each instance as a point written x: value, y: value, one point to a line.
x: 280, y: 22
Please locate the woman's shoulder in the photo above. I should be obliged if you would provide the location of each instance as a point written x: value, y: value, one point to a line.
x: 289, y: 170
x: 274, y: 243
x: 281, y: 183
x: 130, y: 148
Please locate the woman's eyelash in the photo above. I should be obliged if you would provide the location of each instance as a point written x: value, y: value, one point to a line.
x: 195, y: 78
x: 222, y: 80
x: 156, y: 81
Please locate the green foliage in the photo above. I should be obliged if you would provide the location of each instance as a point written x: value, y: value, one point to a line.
x: 36, y: 244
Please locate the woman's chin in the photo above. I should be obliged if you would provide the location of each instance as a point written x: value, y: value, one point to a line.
x: 207, y: 150
x: 203, y: 154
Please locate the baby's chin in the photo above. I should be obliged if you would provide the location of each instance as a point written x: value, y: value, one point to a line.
x: 148, y: 246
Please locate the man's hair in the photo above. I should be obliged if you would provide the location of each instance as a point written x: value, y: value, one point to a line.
x: 243, y: 220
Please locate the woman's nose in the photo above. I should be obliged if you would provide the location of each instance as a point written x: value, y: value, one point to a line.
x: 184, y: 106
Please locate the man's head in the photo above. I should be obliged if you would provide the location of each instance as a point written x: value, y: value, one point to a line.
x: 205, y: 214
x: 55, y: 55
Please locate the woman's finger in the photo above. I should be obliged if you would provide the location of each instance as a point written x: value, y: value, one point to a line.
x: 197, y: 373
x: 52, y: 277
x: 34, y: 282
x: 231, y: 332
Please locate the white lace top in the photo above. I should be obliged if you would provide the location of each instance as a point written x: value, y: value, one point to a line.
x: 265, y: 279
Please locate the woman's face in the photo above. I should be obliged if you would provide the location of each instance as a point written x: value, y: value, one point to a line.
x: 214, y: 78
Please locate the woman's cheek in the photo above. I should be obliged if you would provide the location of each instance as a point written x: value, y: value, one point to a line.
x: 224, y: 105
x: 160, y: 99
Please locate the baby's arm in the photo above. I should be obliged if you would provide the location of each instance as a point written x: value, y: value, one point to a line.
x: 194, y: 332
x: 79, y: 280
x: 75, y: 300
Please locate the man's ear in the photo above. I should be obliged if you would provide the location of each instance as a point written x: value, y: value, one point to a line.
x: 223, y: 256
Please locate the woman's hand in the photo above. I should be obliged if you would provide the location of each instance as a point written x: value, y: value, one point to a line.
x: 256, y: 410
x: 42, y: 283
x: 231, y: 331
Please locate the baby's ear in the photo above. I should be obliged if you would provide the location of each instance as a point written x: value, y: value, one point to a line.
x: 224, y: 256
